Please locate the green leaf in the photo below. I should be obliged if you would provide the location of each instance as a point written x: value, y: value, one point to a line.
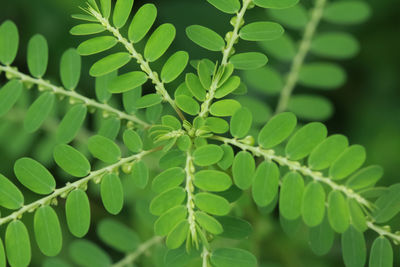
x: 102, y: 84
x: 130, y: 98
x: 174, y: 66
x: 177, y: 235
x: 212, y: 204
x: 167, y: 221
x: 159, y: 42
x: 18, y: 245
x: 232, y: 257
x: 321, y: 237
x: 132, y: 141
x: 349, y: 161
x: 87, y: 29
x: 228, y: 87
x: 109, y: 64
x: 338, y: 212
x: 112, y: 193
x: 121, y: 13
x: 77, y: 211
x: 96, y: 45
x: 357, y: 216
x: 148, y: 101
x: 211, y: 180
x: 196, y: 88
x: 282, y: 48
x: 171, y: 121
x: 9, y: 41
x: 310, y: 107
x: 110, y: 127
x: 217, y: 125
x: 337, y: 45
x: 104, y: 149
x: 295, y: 17
x: 207, y: 155
x: 347, y: 12
x: 305, y: 140
x: 84, y: 17
x: 324, y: 76
x: 381, y: 253
x: 266, y: 183
x: 265, y: 80
x: 261, y: 31
x: 327, y: 152
x: 276, y: 4
x: 140, y: 174
x: 243, y: 169
x: 9, y: 94
x: 38, y: 55
x: 70, y: 68
x: 354, y: 250
x: 87, y: 254
x: 71, y: 123
x: 227, y: 6
x: 313, y: 207
x: 34, y: 176
x: 127, y: 82
x: 249, y: 60
x: 387, y: 205
x: 256, y: 106
x: 117, y: 235
x: 203, y: 71
x: 365, y: 177
x: 205, y: 37
x: 187, y: 104
x: 227, y: 158
x: 142, y: 22
x: 38, y: 112
x: 2, y: 255
x: 105, y: 8
x: 47, y: 231
x: 209, y: 223
x: 291, y: 196
x: 277, y: 130
x: 235, y: 228
x: 10, y: 196
x: 167, y: 200
x: 241, y: 122
x: 224, y: 108
x: 71, y: 160
x: 168, y: 179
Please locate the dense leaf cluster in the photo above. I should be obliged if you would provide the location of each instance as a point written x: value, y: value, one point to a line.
x: 229, y: 147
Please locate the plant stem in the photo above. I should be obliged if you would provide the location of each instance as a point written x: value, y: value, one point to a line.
x: 144, y: 64
x: 300, y: 56
x: 63, y: 191
x: 189, y: 188
x: 205, y: 256
x: 226, y: 53
x: 295, y: 166
x: 383, y: 232
x: 130, y: 258
x: 72, y: 94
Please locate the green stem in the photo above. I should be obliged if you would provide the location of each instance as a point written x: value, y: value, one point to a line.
x: 189, y: 188
x: 63, y: 191
x: 144, y: 64
x: 205, y: 256
x: 298, y: 60
x: 143, y: 248
x: 58, y: 90
x: 226, y: 53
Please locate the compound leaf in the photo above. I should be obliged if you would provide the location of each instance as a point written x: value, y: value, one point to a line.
x: 205, y: 37
x: 142, y: 22
x: 77, y: 211
x: 112, y: 193
x: 71, y: 160
x: 159, y: 42
x: 38, y: 55
x: 47, y: 231
x: 34, y: 176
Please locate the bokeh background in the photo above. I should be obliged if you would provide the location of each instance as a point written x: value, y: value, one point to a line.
x: 367, y: 107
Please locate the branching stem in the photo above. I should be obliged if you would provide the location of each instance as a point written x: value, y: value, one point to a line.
x: 71, y: 186
x: 144, y: 64
x: 143, y: 248
x: 301, y: 55
x: 73, y: 95
x: 226, y: 53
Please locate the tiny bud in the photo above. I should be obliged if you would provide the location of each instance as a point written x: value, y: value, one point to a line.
x: 127, y: 168
x: 27, y: 85
x: 228, y: 36
x: 130, y: 125
x: 251, y: 5
x: 248, y: 140
x: 54, y: 201
x: 233, y: 21
x: 105, y: 114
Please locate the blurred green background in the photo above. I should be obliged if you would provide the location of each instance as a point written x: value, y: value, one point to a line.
x: 367, y: 107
